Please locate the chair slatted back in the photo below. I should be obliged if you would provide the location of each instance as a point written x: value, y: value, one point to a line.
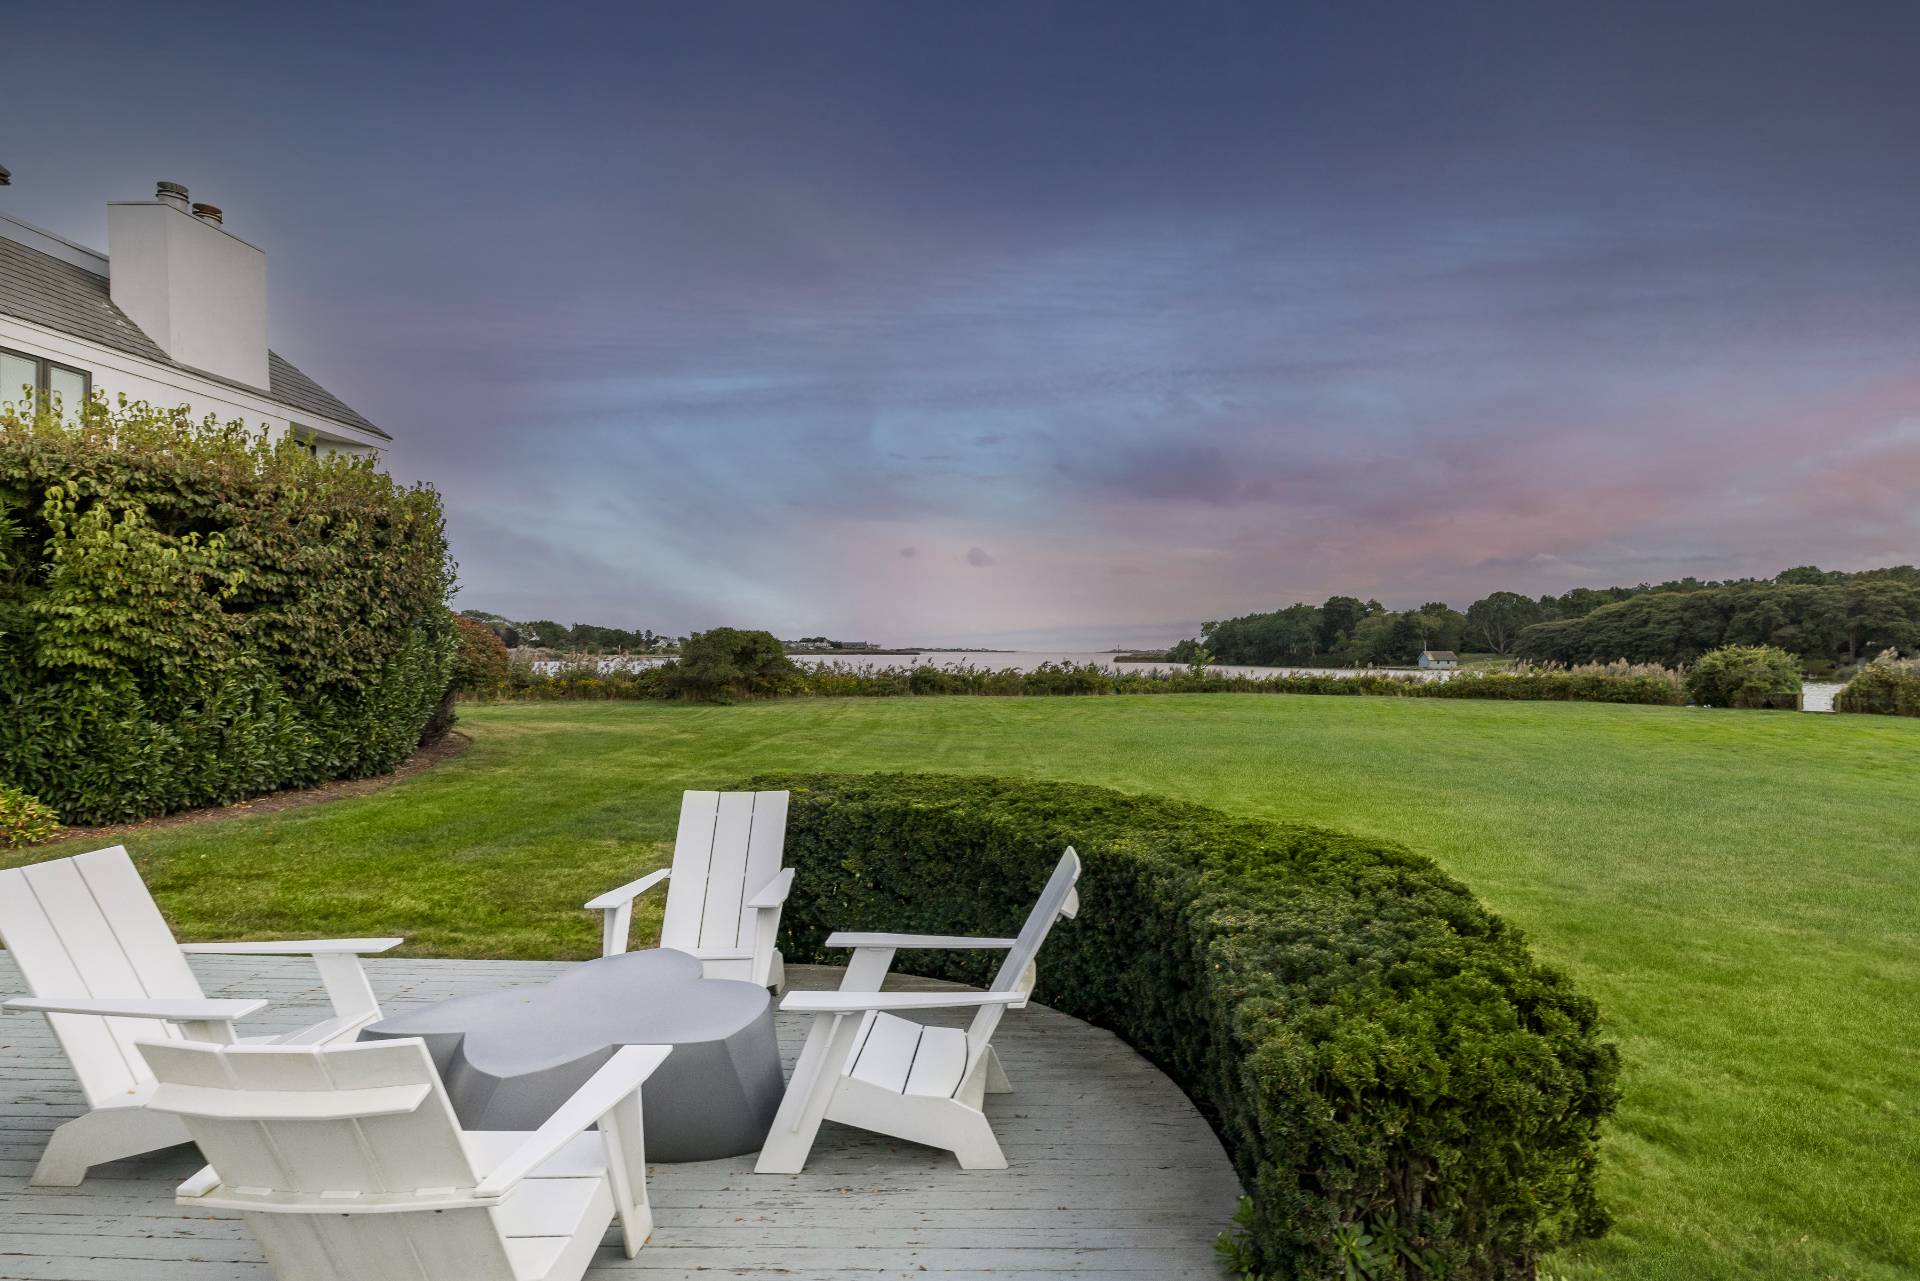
x: 290, y: 1126
x: 1019, y: 971
x: 86, y: 927
x: 729, y: 846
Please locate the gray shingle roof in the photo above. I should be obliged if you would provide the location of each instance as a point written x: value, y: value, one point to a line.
x: 61, y: 295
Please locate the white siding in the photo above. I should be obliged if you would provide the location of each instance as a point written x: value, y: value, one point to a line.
x: 117, y: 373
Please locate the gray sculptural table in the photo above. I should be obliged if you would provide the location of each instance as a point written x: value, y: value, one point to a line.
x: 510, y: 1058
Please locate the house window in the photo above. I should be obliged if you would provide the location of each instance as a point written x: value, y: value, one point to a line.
x: 46, y: 381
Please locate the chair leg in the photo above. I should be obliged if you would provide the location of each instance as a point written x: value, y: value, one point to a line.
x: 815, y: 1077
x: 974, y: 1144
x: 997, y: 1082
x: 103, y: 1135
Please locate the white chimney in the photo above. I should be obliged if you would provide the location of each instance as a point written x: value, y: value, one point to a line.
x: 197, y: 290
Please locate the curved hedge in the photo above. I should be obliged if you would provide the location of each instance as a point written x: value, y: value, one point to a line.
x: 191, y: 616
x: 1377, y: 1051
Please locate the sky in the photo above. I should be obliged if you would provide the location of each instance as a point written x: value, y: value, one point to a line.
x: 1056, y: 324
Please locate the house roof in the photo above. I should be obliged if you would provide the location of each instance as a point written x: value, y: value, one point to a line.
x: 1438, y: 653
x: 61, y: 295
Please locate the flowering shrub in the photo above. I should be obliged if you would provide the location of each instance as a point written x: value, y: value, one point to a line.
x: 24, y: 820
x: 481, y: 665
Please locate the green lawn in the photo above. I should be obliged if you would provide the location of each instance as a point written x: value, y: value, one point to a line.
x: 1740, y: 890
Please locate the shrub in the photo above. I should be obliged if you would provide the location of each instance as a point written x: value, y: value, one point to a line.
x: 190, y: 615
x: 1605, y: 683
x: 481, y: 664
x: 1380, y: 1055
x: 1746, y: 676
x: 24, y: 820
x: 726, y: 663
x: 1587, y: 683
x: 1888, y: 686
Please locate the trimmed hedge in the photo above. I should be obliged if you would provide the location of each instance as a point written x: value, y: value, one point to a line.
x: 191, y: 616
x: 1378, y: 1053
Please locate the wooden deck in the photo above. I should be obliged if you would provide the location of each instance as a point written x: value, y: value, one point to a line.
x: 1112, y: 1172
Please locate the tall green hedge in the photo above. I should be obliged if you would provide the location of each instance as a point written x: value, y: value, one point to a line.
x: 1380, y: 1055
x: 189, y: 615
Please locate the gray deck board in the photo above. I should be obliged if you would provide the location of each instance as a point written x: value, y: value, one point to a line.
x: 1112, y: 1172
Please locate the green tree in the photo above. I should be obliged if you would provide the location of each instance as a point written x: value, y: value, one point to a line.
x: 1496, y: 621
x: 1338, y: 618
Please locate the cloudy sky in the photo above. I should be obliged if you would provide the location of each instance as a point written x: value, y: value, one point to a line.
x: 1058, y: 323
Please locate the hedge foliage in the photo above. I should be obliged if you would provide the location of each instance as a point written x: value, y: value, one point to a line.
x: 1888, y: 686
x: 1753, y: 676
x: 600, y: 679
x: 1380, y: 1055
x: 190, y: 615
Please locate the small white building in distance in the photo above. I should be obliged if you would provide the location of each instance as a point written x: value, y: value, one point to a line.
x: 1438, y: 659
x: 174, y: 314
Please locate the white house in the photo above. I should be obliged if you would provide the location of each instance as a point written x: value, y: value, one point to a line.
x: 1438, y: 659
x: 174, y: 314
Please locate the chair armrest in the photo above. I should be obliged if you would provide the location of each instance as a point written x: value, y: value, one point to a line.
x: 628, y: 892
x: 605, y: 1090
x: 300, y: 947
x: 775, y: 892
x: 861, y: 1002
x: 910, y: 941
x: 178, y: 1011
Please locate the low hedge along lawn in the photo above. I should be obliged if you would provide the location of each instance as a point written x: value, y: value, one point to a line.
x: 1379, y: 1054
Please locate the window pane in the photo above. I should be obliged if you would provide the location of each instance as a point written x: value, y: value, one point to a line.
x: 67, y: 392
x: 16, y: 376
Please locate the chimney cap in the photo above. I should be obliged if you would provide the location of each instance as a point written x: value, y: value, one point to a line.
x: 170, y: 189
x: 6, y: 176
x: 208, y: 213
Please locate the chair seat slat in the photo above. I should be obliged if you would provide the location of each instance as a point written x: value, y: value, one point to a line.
x: 288, y: 1105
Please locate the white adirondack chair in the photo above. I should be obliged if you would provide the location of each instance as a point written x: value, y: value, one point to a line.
x: 728, y: 887
x: 347, y: 1163
x: 863, y: 1065
x: 105, y: 970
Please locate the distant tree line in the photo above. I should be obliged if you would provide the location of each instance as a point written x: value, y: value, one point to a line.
x: 581, y: 638
x: 1844, y: 620
x: 1820, y: 615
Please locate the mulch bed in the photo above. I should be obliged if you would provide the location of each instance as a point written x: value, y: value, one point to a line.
x: 293, y: 798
